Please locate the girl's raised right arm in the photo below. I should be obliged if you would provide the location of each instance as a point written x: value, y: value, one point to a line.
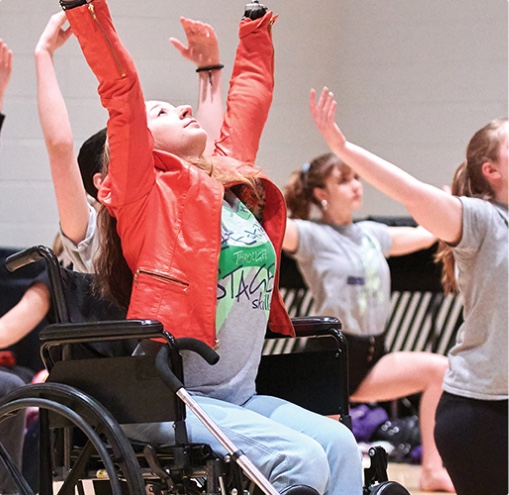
x: 73, y: 209
x: 434, y: 209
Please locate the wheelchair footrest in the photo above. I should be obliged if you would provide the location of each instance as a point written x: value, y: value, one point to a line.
x: 375, y: 476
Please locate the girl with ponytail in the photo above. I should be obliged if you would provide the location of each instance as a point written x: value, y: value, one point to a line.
x: 471, y: 429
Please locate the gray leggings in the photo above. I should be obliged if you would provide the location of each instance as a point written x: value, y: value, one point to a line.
x: 11, y: 430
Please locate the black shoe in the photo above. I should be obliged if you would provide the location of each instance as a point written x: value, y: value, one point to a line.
x: 254, y: 10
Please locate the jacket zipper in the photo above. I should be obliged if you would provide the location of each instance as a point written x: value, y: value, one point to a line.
x: 110, y: 44
x: 167, y: 278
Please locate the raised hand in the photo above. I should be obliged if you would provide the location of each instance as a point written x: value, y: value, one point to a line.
x: 54, y: 35
x: 5, y: 69
x: 202, y: 46
x: 324, y: 114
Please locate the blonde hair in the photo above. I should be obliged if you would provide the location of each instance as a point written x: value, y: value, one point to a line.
x: 469, y: 180
x: 114, y: 278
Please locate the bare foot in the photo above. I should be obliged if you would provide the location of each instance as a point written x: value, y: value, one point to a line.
x: 433, y: 480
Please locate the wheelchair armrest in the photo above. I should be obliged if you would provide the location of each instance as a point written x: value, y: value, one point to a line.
x: 311, y: 326
x: 77, y: 333
x: 62, y: 334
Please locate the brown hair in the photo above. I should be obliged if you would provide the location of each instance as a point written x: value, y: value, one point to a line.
x: 114, y: 278
x: 470, y: 181
x: 299, y: 192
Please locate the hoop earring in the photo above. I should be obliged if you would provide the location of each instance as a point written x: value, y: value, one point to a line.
x: 324, y: 204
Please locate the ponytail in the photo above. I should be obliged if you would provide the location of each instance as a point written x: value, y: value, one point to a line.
x: 299, y: 192
x: 470, y: 181
x: 460, y: 187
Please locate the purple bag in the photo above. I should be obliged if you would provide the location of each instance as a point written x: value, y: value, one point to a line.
x: 365, y: 420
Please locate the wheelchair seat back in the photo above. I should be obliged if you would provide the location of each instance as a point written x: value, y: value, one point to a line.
x: 129, y: 387
x: 304, y: 361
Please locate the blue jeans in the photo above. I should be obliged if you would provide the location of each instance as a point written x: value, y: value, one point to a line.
x: 288, y: 444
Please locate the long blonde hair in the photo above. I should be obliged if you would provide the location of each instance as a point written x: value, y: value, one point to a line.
x: 470, y: 181
x: 114, y: 278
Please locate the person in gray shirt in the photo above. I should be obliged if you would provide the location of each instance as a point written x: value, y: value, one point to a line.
x: 344, y: 265
x: 471, y: 423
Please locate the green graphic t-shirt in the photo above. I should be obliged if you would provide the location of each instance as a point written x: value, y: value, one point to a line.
x: 247, y: 265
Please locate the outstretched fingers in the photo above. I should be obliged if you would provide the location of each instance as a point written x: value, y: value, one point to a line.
x: 323, y: 111
x: 202, y: 45
x: 5, y: 58
x: 5, y: 67
x: 54, y: 35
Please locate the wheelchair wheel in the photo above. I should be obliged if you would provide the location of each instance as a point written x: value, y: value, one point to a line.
x: 104, y: 452
x: 386, y: 488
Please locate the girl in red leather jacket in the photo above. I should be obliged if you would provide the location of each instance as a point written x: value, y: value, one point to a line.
x: 201, y: 237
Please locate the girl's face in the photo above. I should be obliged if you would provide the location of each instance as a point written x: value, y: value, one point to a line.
x: 343, y: 190
x: 175, y: 130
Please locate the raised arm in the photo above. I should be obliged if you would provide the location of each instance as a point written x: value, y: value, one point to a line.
x: 131, y: 172
x: 5, y: 70
x: 70, y: 194
x: 203, y: 51
x: 251, y: 89
x: 434, y: 209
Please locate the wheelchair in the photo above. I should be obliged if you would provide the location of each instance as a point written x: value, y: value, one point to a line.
x: 96, y: 384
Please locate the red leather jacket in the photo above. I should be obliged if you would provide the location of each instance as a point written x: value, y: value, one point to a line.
x: 168, y: 212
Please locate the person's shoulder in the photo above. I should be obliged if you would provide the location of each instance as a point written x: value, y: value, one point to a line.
x: 309, y: 225
x: 481, y: 207
x: 372, y: 227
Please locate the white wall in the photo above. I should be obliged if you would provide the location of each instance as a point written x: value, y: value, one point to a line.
x: 414, y: 80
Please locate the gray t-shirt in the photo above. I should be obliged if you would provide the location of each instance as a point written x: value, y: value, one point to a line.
x: 82, y: 255
x: 478, y: 361
x: 246, y: 273
x: 346, y: 270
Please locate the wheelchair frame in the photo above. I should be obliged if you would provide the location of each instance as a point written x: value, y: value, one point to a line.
x: 64, y: 407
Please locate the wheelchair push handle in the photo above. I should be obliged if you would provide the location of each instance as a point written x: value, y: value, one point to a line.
x: 187, y: 344
x: 195, y: 345
x: 36, y: 253
x: 30, y: 255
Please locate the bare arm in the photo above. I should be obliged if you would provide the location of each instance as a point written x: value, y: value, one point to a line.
x: 5, y: 70
x: 406, y: 240
x: 291, y: 238
x: 434, y: 209
x: 69, y: 191
x: 203, y: 50
x: 25, y: 316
